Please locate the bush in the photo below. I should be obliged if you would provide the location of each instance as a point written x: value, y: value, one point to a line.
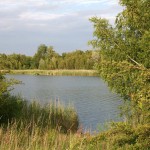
x: 10, y: 108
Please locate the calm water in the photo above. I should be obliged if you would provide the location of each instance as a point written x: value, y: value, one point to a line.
x: 90, y: 96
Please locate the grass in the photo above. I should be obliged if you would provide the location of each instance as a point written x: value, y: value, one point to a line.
x: 51, y: 116
x: 122, y: 137
x: 54, y: 72
x: 21, y: 139
x: 30, y: 126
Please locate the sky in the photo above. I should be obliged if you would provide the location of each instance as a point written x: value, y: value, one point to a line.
x: 63, y: 24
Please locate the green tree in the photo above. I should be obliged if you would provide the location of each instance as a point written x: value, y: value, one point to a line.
x: 41, y: 54
x: 47, y: 58
x: 42, y: 64
x: 124, y: 59
x: 129, y: 39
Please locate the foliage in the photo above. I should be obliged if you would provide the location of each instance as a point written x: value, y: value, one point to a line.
x: 129, y: 39
x: 15, y: 61
x: 124, y: 64
x: 10, y: 108
x: 47, y: 58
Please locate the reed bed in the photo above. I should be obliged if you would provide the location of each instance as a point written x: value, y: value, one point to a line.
x: 122, y: 137
x: 32, y: 126
x: 13, y: 138
x: 55, y: 127
x: 54, y: 72
x: 52, y: 116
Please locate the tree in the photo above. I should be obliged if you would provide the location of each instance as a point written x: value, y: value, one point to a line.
x: 47, y: 58
x: 124, y: 52
x: 127, y: 40
x: 133, y: 24
x: 42, y: 64
x: 41, y: 54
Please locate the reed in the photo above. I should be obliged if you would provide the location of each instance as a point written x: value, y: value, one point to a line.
x: 54, y: 72
x: 119, y: 137
x: 55, y: 127
x: 21, y: 139
x: 52, y: 116
x: 31, y: 126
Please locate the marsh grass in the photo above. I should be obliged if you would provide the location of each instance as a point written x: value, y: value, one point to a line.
x: 53, y: 115
x: 36, y: 127
x: 120, y: 137
x: 55, y: 127
x: 21, y: 139
x: 54, y: 72
x: 31, y: 126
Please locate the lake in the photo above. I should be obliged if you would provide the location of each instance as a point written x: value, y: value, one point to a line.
x: 90, y: 96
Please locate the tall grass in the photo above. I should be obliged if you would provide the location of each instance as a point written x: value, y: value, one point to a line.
x: 35, y: 127
x: 54, y: 72
x: 20, y: 139
x: 121, y: 137
x: 51, y: 116
x: 55, y: 127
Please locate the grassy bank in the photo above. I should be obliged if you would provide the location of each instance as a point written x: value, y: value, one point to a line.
x: 34, y: 127
x: 54, y: 72
x: 119, y: 137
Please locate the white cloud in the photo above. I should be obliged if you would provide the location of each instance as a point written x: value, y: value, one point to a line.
x: 110, y: 2
x: 41, y: 16
x: 47, y: 2
x: 79, y: 1
x: 22, y: 1
x: 55, y: 21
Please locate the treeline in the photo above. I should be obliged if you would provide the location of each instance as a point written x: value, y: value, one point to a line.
x: 47, y: 58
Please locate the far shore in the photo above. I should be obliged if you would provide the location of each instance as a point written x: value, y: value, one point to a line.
x: 53, y: 72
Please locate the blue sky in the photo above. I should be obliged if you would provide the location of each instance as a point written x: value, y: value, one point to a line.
x: 63, y: 24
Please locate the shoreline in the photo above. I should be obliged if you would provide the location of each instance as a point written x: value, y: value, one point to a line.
x: 53, y: 72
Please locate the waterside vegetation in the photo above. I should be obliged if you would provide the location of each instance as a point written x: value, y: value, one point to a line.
x: 63, y: 72
x: 47, y: 59
x: 124, y: 63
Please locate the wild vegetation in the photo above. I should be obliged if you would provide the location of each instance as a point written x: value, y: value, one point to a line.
x: 22, y: 122
x: 47, y: 59
x: 63, y: 72
x: 124, y: 63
